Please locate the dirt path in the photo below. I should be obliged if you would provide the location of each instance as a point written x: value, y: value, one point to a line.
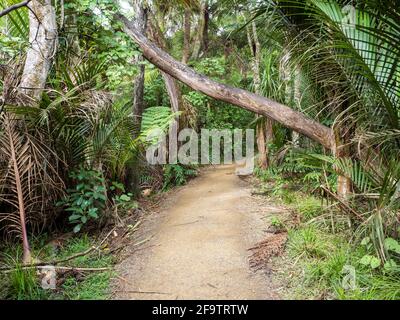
x: 199, y: 248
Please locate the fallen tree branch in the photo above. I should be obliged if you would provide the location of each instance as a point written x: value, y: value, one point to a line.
x: 54, y: 262
x: 342, y: 204
x: 136, y: 291
x: 63, y: 268
x: 14, y: 7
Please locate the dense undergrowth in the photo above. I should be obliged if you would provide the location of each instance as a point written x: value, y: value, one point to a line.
x: 74, y: 284
x: 324, y: 257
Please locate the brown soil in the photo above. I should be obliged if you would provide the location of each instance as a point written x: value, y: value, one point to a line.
x: 199, y: 244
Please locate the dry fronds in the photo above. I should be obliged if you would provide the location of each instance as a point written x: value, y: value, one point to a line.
x: 271, y: 246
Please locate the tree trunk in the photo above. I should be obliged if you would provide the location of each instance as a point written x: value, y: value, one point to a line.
x: 175, y: 99
x: 186, y: 35
x: 206, y: 26
x: 199, y: 42
x: 344, y: 184
x: 42, y: 38
x: 262, y: 138
x: 297, y: 102
x: 26, y: 258
x: 132, y: 176
x: 242, y: 98
x: 138, y: 86
x: 174, y: 94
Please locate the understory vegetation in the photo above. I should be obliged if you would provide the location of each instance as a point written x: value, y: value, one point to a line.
x: 329, y: 254
x: 74, y: 282
x: 84, y: 90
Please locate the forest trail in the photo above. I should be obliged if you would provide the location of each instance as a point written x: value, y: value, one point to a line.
x: 200, y: 245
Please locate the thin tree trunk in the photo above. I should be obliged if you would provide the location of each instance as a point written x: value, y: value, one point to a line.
x: 344, y: 185
x: 186, y: 35
x: 283, y: 114
x: 132, y: 176
x: 42, y: 38
x: 174, y: 94
x: 175, y: 98
x: 297, y: 101
x: 262, y: 138
x: 261, y: 144
x: 138, y: 85
x: 198, y: 44
x: 342, y: 136
x: 27, y: 257
x: 206, y: 27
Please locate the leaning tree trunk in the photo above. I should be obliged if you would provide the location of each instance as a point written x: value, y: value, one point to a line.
x: 42, y: 38
x: 250, y: 101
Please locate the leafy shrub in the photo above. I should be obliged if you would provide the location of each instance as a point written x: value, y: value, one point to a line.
x: 121, y: 199
x: 177, y: 175
x: 87, y: 199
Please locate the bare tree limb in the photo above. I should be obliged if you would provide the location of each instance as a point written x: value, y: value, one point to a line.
x: 261, y: 105
x: 14, y: 7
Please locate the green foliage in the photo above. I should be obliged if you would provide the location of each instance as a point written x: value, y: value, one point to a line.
x: 156, y: 118
x: 309, y: 242
x: 212, y: 67
x: 87, y: 200
x: 121, y: 199
x: 276, y: 222
x: 308, y: 206
x: 327, y: 272
x: 177, y: 175
x: 24, y: 284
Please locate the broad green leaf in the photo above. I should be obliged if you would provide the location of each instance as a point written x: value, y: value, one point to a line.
x: 77, y: 228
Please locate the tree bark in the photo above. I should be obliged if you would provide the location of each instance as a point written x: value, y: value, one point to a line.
x: 242, y: 98
x: 132, y: 176
x: 138, y: 85
x: 297, y: 102
x: 186, y: 35
x: 42, y: 38
x: 199, y: 42
x: 206, y: 27
x: 174, y: 94
x: 264, y: 133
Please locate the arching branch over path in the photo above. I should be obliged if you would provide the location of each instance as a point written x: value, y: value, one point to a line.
x: 242, y: 98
